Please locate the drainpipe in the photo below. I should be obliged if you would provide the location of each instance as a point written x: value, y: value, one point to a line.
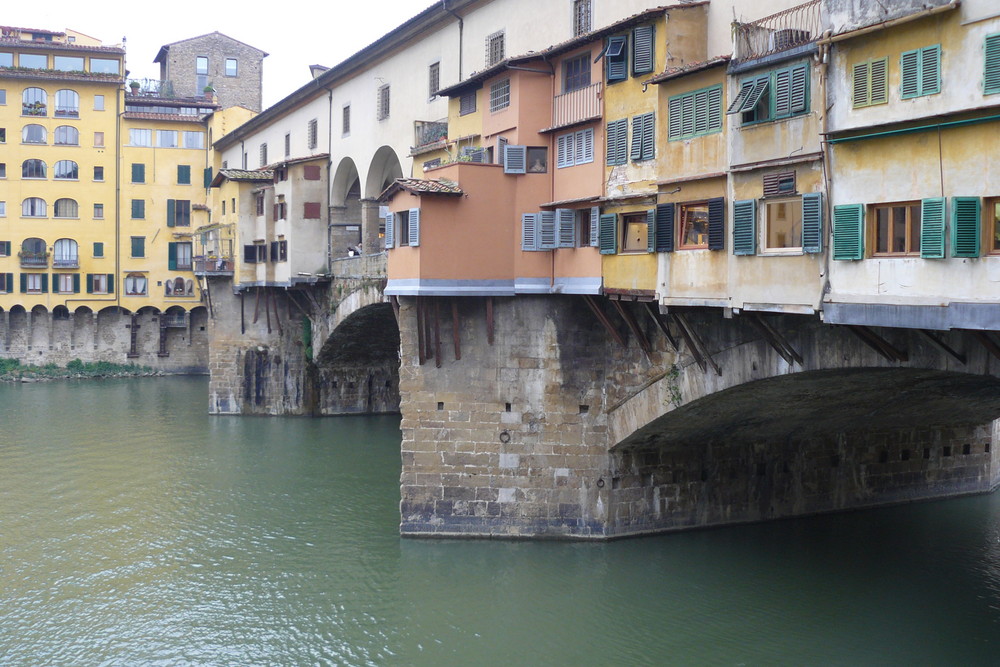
x: 824, y: 64
x: 329, y: 183
x: 461, y: 32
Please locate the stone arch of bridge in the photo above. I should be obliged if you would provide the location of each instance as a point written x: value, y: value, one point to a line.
x: 385, y: 168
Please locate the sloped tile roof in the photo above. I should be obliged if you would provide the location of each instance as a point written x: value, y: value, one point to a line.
x: 255, y: 176
x: 690, y: 68
x: 421, y: 186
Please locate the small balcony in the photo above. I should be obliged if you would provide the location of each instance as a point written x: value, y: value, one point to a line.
x: 65, y: 263
x: 429, y: 135
x: 213, y: 266
x: 33, y: 260
x: 577, y: 106
x: 785, y: 30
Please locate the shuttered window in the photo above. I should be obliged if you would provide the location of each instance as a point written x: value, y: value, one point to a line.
x: 499, y: 95
x: 413, y: 224
x: 184, y: 174
x: 547, y: 239
x: 694, y: 114
x: 812, y: 222
x: 390, y: 237
x: 608, y: 233
x: 717, y: 223
x: 575, y: 148
x: 932, y: 218
x: 779, y: 94
x: 617, y: 142
x: 529, y: 232
x: 920, y: 72
x: 848, y: 231
x: 745, y: 227
x: 616, y: 59
x: 664, y: 228
x: 138, y: 209
x: 515, y: 159
x: 644, y: 137
x: 595, y: 227
x: 138, y: 173
x: 870, y: 85
x: 991, y: 65
x: 643, y: 56
x: 566, y: 227
x: 965, y: 235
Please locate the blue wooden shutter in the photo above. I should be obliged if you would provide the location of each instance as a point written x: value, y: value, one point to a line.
x: 138, y: 209
x: 616, y: 59
x: 595, y: 226
x: 566, y: 221
x: 515, y: 159
x: 932, y: 228
x: 643, y: 60
x: 608, y: 233
x: 584, y: 146
x: 547, y: 230
x: 171, y: 212
x: 965, y: 217
x: 529, y: 231
x: 390, y: 232
x: 664, y: 228
x: 90, y: 283
x: 651, y: 230
x: 812, y: 222
x: 76, y: 283
x: 564, y: 151
x: 414, y: 227
x: 745, y: 227
x: 991, y: 64
x: 207, y: 177
x: 782, y: 92
x: 138, y: 173
x: 717, y: 223
x: 848, y: 231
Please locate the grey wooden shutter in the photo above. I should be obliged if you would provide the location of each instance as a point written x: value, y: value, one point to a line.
x: 414, y: 227
x: 390, y: 236
x: 717, y: 223
x: 812, y: 222
x: 595, y: 226
x: 529, y: 231
x: 566, y: 221
x: 608, y: 233
x: 664, y: 228
x: 848, y: 231
x: 745, y: 227
x: 515, y: 159
x: 547, y: 230
x: 932, y: 228
x: 965, y: 217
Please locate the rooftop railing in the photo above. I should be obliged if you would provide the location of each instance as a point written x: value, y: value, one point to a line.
x: 778, y: 32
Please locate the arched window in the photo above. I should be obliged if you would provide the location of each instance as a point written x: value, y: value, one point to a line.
x: 135, y: 284
x: 67, y: 135
x: 33, y: 207
x: 179, y: 286
x: 66, y: 208
x: 33, y: 249
x: 33, y: 134
x: 67, y: 104
x: 65, y: 254
x: 34, y: 102
x: 66, y: 170
x: 33, y: 169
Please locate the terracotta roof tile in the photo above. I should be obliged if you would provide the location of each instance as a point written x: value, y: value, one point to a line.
x: 256, y: 176
x: 422, y: 186
x: 689, y: 68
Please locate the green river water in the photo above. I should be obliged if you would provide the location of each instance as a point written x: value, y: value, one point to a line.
x: 137, y: 530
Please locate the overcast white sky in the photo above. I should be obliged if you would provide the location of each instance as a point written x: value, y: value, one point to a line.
x: 295, y: 33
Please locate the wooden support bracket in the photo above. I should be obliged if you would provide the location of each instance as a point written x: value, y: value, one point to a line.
x: 419, y: 306
x: 944, y: 347
x: 633, y: 326
x: 437, y: 333
x: 879, y: 344
x: 489, y: 320
x: 454, y: 329
x: 775, y: 339
x: 653, y: 311
x: 695, y: 343
x: 986, y: 341
x: 603, y: 319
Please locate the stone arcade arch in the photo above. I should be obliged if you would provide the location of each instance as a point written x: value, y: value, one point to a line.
x: 385, y: 168
x: 346, y: 215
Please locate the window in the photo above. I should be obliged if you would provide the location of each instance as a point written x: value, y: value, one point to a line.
x: 33, y: 169
x: 255, y: 253
x: 138, y: 246
x: 33, y: 61
x: 575, y: 148
x: 201, y: 65
x: 920, y: 72
x: 345, y: 120
x: 139, y: 137
x: 434, y: 78
x: 104, y: 66
x: 495, y: 48
x: 263, y: 154
x: 65, y: 254
x: 98, y: 211
x: 637, y: 231
x: 98, y: 283
x: 991, y: 65
x: 3, y: 209
x: 179, y: 212
x: 617, y: 142
x: 778, y: 94
x: 467, y: 103
x: 34, y: 102
x: 232, y: 67
x: 179, y: 256
x: 3, y: 170
x: 643, y: 137
x: 581, y: 17
x: 616, y: 59
x: 870, y: 85
x: 33, y: 207
x: 138, y: 209
x: 694, y: 114
x: 3, y: 96
x: 692, y: 226
x: 33, y: 134
x: 6, y: 283
x: 783, y: 224
x: 66, y: 170
x: 135, y: 284
x: 34, y: 283
x: 312, y: 133
x: 223, y: 207
x: 98, y: 140
x: 280, y: 210
x: 98, y: 102
x: 3, y: 135
x: 499, y: 95
x: 279, y: 251
x: 576, y: 73
x: 67, y: 135
x: 260, y: 204
x: 138, y: 172
x: 4, y: 248
x: 288, y: 144
x: 699, y: 225
x: 67, y: 283
x: 166, y: 138
x: 896, y: 229
x: 98, y: 173
x: 66, y: 208
x: 183, y: 174
x: 383, y: 102
x: 194, y: 139
x: 538, y: 159
x: 67, y: 104
x: 67, y: 63
x: 991, y: 209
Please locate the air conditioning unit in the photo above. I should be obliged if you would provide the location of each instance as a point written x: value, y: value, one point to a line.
x: 788, y: 37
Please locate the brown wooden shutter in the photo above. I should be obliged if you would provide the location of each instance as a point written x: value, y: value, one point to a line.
x: 312, y: 210
x: 310, y: 172
x: 780, y: 183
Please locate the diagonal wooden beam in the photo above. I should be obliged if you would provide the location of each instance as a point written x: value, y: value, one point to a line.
x: 437, y: 333
x: 654, y: 312
x: 633, y: 326
x: 489, y: 320
x: 775, y: 339
x: 877, y: 343
x: 944, y: 347
x: 603, y: 319
x: 986, y: 341
x: 696, y: 342
x: 419, y: 305
x: 454, y: 328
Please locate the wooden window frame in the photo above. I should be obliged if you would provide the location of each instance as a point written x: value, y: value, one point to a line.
x: 576, y: 72
x: 991, y: 226
x: 467, y: 103
x: 636, y: 223
x: 911, y: 219
x: 682, y: 212
x: 793, y: 204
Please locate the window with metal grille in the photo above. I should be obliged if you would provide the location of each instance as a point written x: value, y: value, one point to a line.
x: 345, y: 120
x: 263, y: 154
x: 467, y: 103
x: 434, y: 78
x: 581, y: 17
x: 312, y: 132
x: 496, y: 48
x: 383, y: 102
x: 499, y: 95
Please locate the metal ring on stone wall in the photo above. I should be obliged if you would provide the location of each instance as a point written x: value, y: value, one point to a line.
x: 505, y: 436
x: 600, y: 482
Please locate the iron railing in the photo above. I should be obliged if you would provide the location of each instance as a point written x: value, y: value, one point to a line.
x: 427, y: 132
x: 577, y: 106
x: 778, y: 32
x: 219, y: 265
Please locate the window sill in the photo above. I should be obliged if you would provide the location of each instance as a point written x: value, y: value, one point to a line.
x: 781, y: 252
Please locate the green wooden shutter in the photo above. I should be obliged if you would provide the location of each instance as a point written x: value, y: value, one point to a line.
x: 616, y: 59
x: 10, y: 282
x: 76, y: 283
x: 782, y: 92
x: 648, y: 136
x: 909, y: 74
x: 861, y: 78
x: 932, y: 228
x: 172, y: 256
x: 184, y: 174
x: 717, y: 223
x: 651, y: 230
x: 745, y: 227
x: 965, y: 217
x: 111, y: 283
x: 798, y: 88
x: 608, y: 233
x: 746, y: 89
x: 930, y: 70
x: 547, y: 238
x: 45, y: 283
x: 566, y: 222
x: 414, y: 227
x: 637, y: 124
x: 848, y: 231
x: 595, y: 226
x: 674, y: 118
x: 138, y: 173
x: 171, y: 212
x: 664, y: 228
x: 643, y: 60
x: 207, y: 177
x: 878, y: 81
x: 991, y: 64
x: 529, y: 231
x: 617, y: 142
x: 24, y: 283
x: 138, y: 209
x: 812, y: 222
x: 98, y: 249
x: 90, y: 283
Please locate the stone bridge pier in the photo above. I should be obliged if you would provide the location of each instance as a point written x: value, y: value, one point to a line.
x: 580, y: 417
